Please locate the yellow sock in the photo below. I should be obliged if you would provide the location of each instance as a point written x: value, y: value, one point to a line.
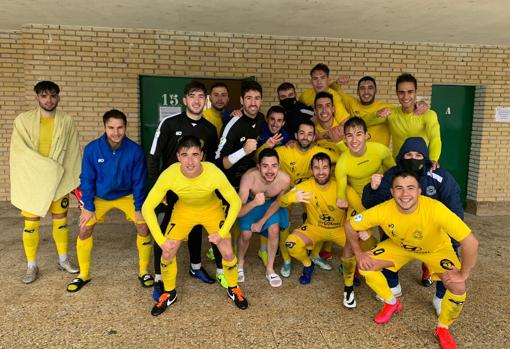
x: 31, y: 239
x: 61, y: 235
x: 317, y: 248
x: 297, y: 249
x: 327, y: 246
x: 169, y: 273
x: 349, y: 266
x: 284, y: 234
x: 369, y: 244
x: 144, y: 246
x: 451, y: 307
x: 84, y: 254
x: 230, y: 270
x: 377, y: 282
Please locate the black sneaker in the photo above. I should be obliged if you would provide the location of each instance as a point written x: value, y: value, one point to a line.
x: 201, y: 274
x: 349, y: 300
x: 237, y: 297
x: 166, y: 299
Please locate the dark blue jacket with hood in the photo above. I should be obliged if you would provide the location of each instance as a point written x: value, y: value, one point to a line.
x: 437, y: 184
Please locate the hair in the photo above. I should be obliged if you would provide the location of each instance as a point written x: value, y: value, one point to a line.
x: 285, y: 86
x: 355, y: 121
x: 250, y: 85
x: 403, y: 173
x: 194, y: 86
x: 114, y: 114
x: 276, y: 109
x: 306, y: 122
x: 406, y: 77
x: 268, y: 153
x: 320, y: 157
x: 323, y: 95
x: 367, y: 78
x: 187, y: 142
x: 219, y: 84
x: 46, y: 86
x: 322, y: 67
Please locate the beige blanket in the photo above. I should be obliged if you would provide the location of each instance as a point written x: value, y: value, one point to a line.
x: 37, y: 180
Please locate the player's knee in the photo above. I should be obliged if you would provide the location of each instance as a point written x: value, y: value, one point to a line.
x: 456, y: 287
x: 273, y: 231
x: 142, y: 229
x: 246, y: 235
x: 294, y: 244
x: 85, y: 232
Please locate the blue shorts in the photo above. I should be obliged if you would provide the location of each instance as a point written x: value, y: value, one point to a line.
x: 281, y: 217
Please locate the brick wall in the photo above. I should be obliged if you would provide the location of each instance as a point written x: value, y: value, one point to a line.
x: 98, y: 68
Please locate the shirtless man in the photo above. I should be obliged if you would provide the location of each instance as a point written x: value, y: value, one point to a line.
x: 260, y: 212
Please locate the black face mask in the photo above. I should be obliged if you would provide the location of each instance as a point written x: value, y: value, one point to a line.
x: 413, y: 164
x: 288, y: 102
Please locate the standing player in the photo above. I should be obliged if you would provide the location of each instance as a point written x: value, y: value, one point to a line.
x: 320, y: 83
x: 404, y: 122
x: 295, y: 112
x: 219, y: 101
x: 194, y: 182
x: 235, y: 153
x: 419, y: 228
x: 259, y: 190
x: 45, y: 160
x: 113, y: 175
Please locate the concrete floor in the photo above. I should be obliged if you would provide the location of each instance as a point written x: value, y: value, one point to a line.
x: 113, y: 310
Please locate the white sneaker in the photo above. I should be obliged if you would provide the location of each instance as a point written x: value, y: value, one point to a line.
x: 396, y: 291
x: 31, y: 274
x: 321, y: 263
x: 349, y: 299
x: 68, y: 266
x: 436, y: 302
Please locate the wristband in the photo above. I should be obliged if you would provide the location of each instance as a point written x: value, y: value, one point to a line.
x: 235, y: 157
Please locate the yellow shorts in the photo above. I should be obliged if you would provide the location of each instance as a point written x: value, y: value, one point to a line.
x: 59, y: 206
x: 184, y: 218
x: 125, y: 204
x: 438, y: 262
x: 317, y: 235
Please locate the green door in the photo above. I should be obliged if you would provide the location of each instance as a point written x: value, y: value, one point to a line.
x: 454, y: 107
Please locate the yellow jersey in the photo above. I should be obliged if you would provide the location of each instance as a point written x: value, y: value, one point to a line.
x: 321, y: 211
x: 308, y: 98
x: 428, y: 229
x: 193, y: 193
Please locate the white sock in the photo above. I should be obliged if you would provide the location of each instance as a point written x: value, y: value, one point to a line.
x: 219, y: 271
x: 392, y: 300
x: 196, y: 266
x: 31, y: 264
x: 62, y: 258
x: 157, y: 278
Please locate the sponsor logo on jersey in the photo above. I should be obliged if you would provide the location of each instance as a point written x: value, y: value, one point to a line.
x: 242, y: 139
x: 178, y: 133
x: 64, y: 203
x: 100, y: 160
x: 418, y: 235
x: 358, y: 217
x: 290, y: 244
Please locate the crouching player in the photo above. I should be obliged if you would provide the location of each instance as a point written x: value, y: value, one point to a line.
x: 194, y: 182
x: 324, y: 221
x: 419, y: 228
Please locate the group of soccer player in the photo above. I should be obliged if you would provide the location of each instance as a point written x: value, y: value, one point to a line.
x: 232, y: 173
